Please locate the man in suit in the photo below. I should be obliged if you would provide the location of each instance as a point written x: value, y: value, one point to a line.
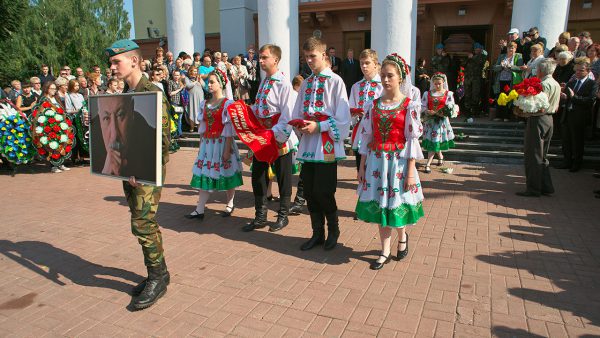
x: 580, y: 94
x: 334, y: 61
x: 350, y: 70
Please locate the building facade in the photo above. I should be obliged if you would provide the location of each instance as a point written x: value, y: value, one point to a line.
x: 233, y: 25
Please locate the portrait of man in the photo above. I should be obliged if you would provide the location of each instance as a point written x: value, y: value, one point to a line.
x: 124, y: 142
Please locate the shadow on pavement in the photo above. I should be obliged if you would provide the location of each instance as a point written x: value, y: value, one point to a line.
x: 52, y: 262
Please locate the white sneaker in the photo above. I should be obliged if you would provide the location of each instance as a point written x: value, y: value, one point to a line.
x: 56, y: 170
x: 64, y: 168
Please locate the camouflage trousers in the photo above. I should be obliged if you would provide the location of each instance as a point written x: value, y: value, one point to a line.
x: 143, y: 204
x: 473, y: 95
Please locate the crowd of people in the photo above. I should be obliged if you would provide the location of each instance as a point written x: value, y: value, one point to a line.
x: 389, y: 119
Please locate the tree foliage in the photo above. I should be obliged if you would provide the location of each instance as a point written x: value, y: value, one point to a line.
x: 57, y: 33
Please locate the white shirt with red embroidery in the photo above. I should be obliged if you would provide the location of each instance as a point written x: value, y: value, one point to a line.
x: 325, y: 95
x: 362, y: 92
x: 277, y: 96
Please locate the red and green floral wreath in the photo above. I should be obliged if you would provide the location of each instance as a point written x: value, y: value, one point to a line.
x: 52, y: 133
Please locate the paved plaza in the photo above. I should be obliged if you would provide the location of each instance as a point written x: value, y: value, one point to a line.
x: 483, y: 262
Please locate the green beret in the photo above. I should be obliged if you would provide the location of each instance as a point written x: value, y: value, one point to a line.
x: 120, y: 47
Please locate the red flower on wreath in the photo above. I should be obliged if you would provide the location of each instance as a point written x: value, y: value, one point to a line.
x: 60, y: 110
x: 319, y: 103
x: 51, y: 120
x: 52, y: 135
x: 55, y: 156
x: 56, y: 128
x: 320, y: 91
x: 69, y: 122
x: 47, y: 129
x: 46, y: 104
x: 68, y: 149
x: 41, y: 151
x: 71, y: 136
x: 506, y: 88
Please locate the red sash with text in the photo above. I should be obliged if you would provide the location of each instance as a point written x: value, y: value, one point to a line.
x: 252, y: 132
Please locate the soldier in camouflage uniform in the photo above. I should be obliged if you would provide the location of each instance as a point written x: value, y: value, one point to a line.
x: 143, y: 199
x: 440, y: 62
x: 473, y: 80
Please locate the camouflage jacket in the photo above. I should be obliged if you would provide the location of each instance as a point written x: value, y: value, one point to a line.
x: 474, y: 66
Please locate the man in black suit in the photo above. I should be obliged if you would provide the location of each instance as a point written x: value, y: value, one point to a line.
x: 334, y: 61
x: 580, y: 94
x: 350, y: 71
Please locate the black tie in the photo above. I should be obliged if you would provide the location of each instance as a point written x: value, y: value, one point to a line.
x: 577, y: 86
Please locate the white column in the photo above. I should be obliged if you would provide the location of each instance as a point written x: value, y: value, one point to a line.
x: 394, y: 28
x: 549, y: 16
x: 180, y: 19
x: 237, y: 25
x: 198, y: 27
x: 278, y: 25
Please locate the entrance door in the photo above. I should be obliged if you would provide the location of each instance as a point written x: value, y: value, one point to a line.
x: 356, y: 41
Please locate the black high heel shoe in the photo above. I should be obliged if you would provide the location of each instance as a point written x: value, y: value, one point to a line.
x: 228, y: 211
x: 403, y: 253
x: 195, y: 214
x: 378, y: 265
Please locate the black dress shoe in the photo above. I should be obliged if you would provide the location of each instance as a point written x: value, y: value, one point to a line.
x: 378, y: 265
x: 228, y: 211
x: 296, y: 209
x: 195, y: 214
x: 402, y: 254
x: 527, y: 194
x: 281, y: 223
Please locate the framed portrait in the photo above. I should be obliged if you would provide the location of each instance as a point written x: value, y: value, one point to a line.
x: 125, y: 136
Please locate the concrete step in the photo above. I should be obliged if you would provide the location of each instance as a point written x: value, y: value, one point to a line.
x: 514, y: 132
x: 490, y: 125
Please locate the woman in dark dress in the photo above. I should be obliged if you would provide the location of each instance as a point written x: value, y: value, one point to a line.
x: 421, y: 77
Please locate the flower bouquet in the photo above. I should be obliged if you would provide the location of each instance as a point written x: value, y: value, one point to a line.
x: 507, y: 96
x: 15, y: 140
x: 52, y: 133
x: 460, y: 83
x: 531, y: 97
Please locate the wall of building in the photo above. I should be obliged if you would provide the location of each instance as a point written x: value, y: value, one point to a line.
x: 145, y: 11
x: 212, y: 19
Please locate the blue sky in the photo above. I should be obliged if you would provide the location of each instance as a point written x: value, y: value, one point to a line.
x: 129, y: 9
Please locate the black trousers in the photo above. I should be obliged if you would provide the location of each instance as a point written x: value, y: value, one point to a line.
x: 283, y: 173
x: 357, y: 159
x: 320, y: 182
x: 573, y: 134
x: 538, y: 134
x: 300, y: 190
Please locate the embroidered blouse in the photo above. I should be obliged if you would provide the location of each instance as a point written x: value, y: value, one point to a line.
x: 392, y: 128
x: 274, y: 103
x: 214, y: 121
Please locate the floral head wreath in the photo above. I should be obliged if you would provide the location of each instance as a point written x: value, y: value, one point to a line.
x: 400, y: 63
x: 440, y: 76
x: 221, y: 76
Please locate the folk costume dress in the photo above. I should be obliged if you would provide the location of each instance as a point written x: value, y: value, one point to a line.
x: 437, y: 131
x: 362, y: 92
x: 390, y: 137
x: 209, y: 172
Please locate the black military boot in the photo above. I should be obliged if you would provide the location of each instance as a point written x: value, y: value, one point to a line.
x: 297, y: 206
x: 333, y: 230
x: 317, y: 221
x: 165, y: 274
x: 282, y: 214
x: 260, y: 215
x: 155, y: 288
